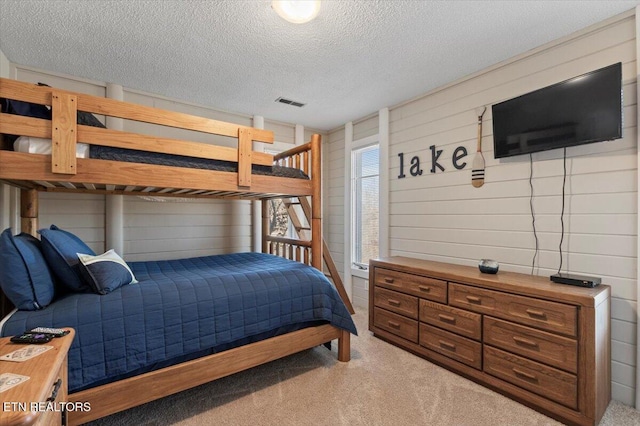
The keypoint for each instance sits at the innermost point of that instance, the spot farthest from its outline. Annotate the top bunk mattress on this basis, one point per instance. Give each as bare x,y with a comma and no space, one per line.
43,146
145,157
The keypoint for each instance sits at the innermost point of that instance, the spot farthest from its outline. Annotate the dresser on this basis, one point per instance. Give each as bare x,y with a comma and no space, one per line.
543,344
41,399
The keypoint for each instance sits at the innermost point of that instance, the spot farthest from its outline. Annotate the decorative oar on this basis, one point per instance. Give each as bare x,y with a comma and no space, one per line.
477,167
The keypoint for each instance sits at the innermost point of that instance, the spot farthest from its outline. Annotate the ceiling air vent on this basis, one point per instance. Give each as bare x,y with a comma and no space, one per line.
290,102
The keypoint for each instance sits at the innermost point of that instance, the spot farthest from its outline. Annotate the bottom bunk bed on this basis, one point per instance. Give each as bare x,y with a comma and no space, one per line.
183,323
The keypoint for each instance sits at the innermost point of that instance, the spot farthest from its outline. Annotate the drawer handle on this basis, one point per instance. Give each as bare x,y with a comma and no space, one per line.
447,345
393,324
56,388
524,374
424,288
474,299
535,313
524,341
447,318
389,280
393,302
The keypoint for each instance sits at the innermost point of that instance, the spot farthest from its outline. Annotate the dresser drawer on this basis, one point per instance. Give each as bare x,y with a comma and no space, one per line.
49,412
396,324
451,345
399,303
539,313
551,349
417,285
546,381
461,322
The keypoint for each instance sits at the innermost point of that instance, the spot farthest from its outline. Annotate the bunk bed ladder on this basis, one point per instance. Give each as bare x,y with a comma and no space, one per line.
303,233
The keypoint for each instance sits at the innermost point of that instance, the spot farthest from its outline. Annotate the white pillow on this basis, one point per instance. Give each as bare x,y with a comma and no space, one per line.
43,146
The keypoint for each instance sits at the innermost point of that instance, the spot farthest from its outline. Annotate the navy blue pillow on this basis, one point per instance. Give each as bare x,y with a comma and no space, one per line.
60,249
106,272
24,275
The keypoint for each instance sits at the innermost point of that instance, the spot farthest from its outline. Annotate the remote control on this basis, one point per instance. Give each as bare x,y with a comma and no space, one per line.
55,332
36,338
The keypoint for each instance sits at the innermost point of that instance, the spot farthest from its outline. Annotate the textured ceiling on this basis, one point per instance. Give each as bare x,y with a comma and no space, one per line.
358,56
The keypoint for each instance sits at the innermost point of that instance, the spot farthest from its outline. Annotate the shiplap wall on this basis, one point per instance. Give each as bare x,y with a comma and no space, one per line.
333,209
335,183
5,200
155,230
440,216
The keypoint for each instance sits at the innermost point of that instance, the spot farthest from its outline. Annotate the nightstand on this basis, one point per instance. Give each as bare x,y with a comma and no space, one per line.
29,402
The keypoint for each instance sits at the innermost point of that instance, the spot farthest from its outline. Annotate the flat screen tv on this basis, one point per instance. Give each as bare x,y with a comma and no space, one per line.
583,109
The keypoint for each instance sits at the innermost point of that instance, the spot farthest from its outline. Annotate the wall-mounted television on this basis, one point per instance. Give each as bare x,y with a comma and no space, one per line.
583,109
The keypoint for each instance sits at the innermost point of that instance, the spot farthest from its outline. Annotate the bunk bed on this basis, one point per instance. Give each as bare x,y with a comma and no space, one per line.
238,173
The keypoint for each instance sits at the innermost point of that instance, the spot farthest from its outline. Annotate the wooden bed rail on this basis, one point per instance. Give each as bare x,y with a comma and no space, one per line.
121,395
301,156
308,158
65,133
289,248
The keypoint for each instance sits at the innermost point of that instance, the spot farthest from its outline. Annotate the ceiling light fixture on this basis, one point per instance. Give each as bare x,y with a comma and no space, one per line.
296,11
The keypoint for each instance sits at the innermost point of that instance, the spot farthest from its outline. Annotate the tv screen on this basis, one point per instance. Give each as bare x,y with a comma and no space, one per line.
583,109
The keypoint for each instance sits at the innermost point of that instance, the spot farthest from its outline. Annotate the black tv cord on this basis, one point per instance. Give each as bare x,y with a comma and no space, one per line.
564,182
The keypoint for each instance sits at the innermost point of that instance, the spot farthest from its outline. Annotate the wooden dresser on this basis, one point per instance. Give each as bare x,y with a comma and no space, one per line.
543,344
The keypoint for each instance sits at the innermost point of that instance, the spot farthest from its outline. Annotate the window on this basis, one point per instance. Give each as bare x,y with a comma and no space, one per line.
365,217
278,219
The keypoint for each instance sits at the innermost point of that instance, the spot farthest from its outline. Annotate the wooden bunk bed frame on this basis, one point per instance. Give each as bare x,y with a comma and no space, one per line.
63,172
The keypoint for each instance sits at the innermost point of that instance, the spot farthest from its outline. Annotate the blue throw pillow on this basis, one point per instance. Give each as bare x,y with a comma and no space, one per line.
24,275
106,272
60,249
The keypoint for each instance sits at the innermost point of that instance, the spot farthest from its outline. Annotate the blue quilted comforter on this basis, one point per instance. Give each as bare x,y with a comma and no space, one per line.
186,308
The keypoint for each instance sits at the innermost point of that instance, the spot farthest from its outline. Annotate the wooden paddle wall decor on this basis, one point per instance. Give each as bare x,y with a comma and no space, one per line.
477,167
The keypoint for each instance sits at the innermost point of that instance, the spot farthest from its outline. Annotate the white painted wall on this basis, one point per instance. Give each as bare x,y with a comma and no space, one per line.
440,216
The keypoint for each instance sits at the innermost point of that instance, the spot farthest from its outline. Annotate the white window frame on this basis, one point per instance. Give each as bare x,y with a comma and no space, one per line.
358,271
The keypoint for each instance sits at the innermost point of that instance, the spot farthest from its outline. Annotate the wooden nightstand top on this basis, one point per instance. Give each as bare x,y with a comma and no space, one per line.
43,371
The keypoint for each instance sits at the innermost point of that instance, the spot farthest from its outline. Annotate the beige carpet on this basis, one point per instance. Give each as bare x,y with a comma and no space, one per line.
382,385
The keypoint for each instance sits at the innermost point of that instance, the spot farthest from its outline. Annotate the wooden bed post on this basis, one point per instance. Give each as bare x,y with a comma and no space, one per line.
29,211
344,346
64,132
317,242
316,203
265,226
245,145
